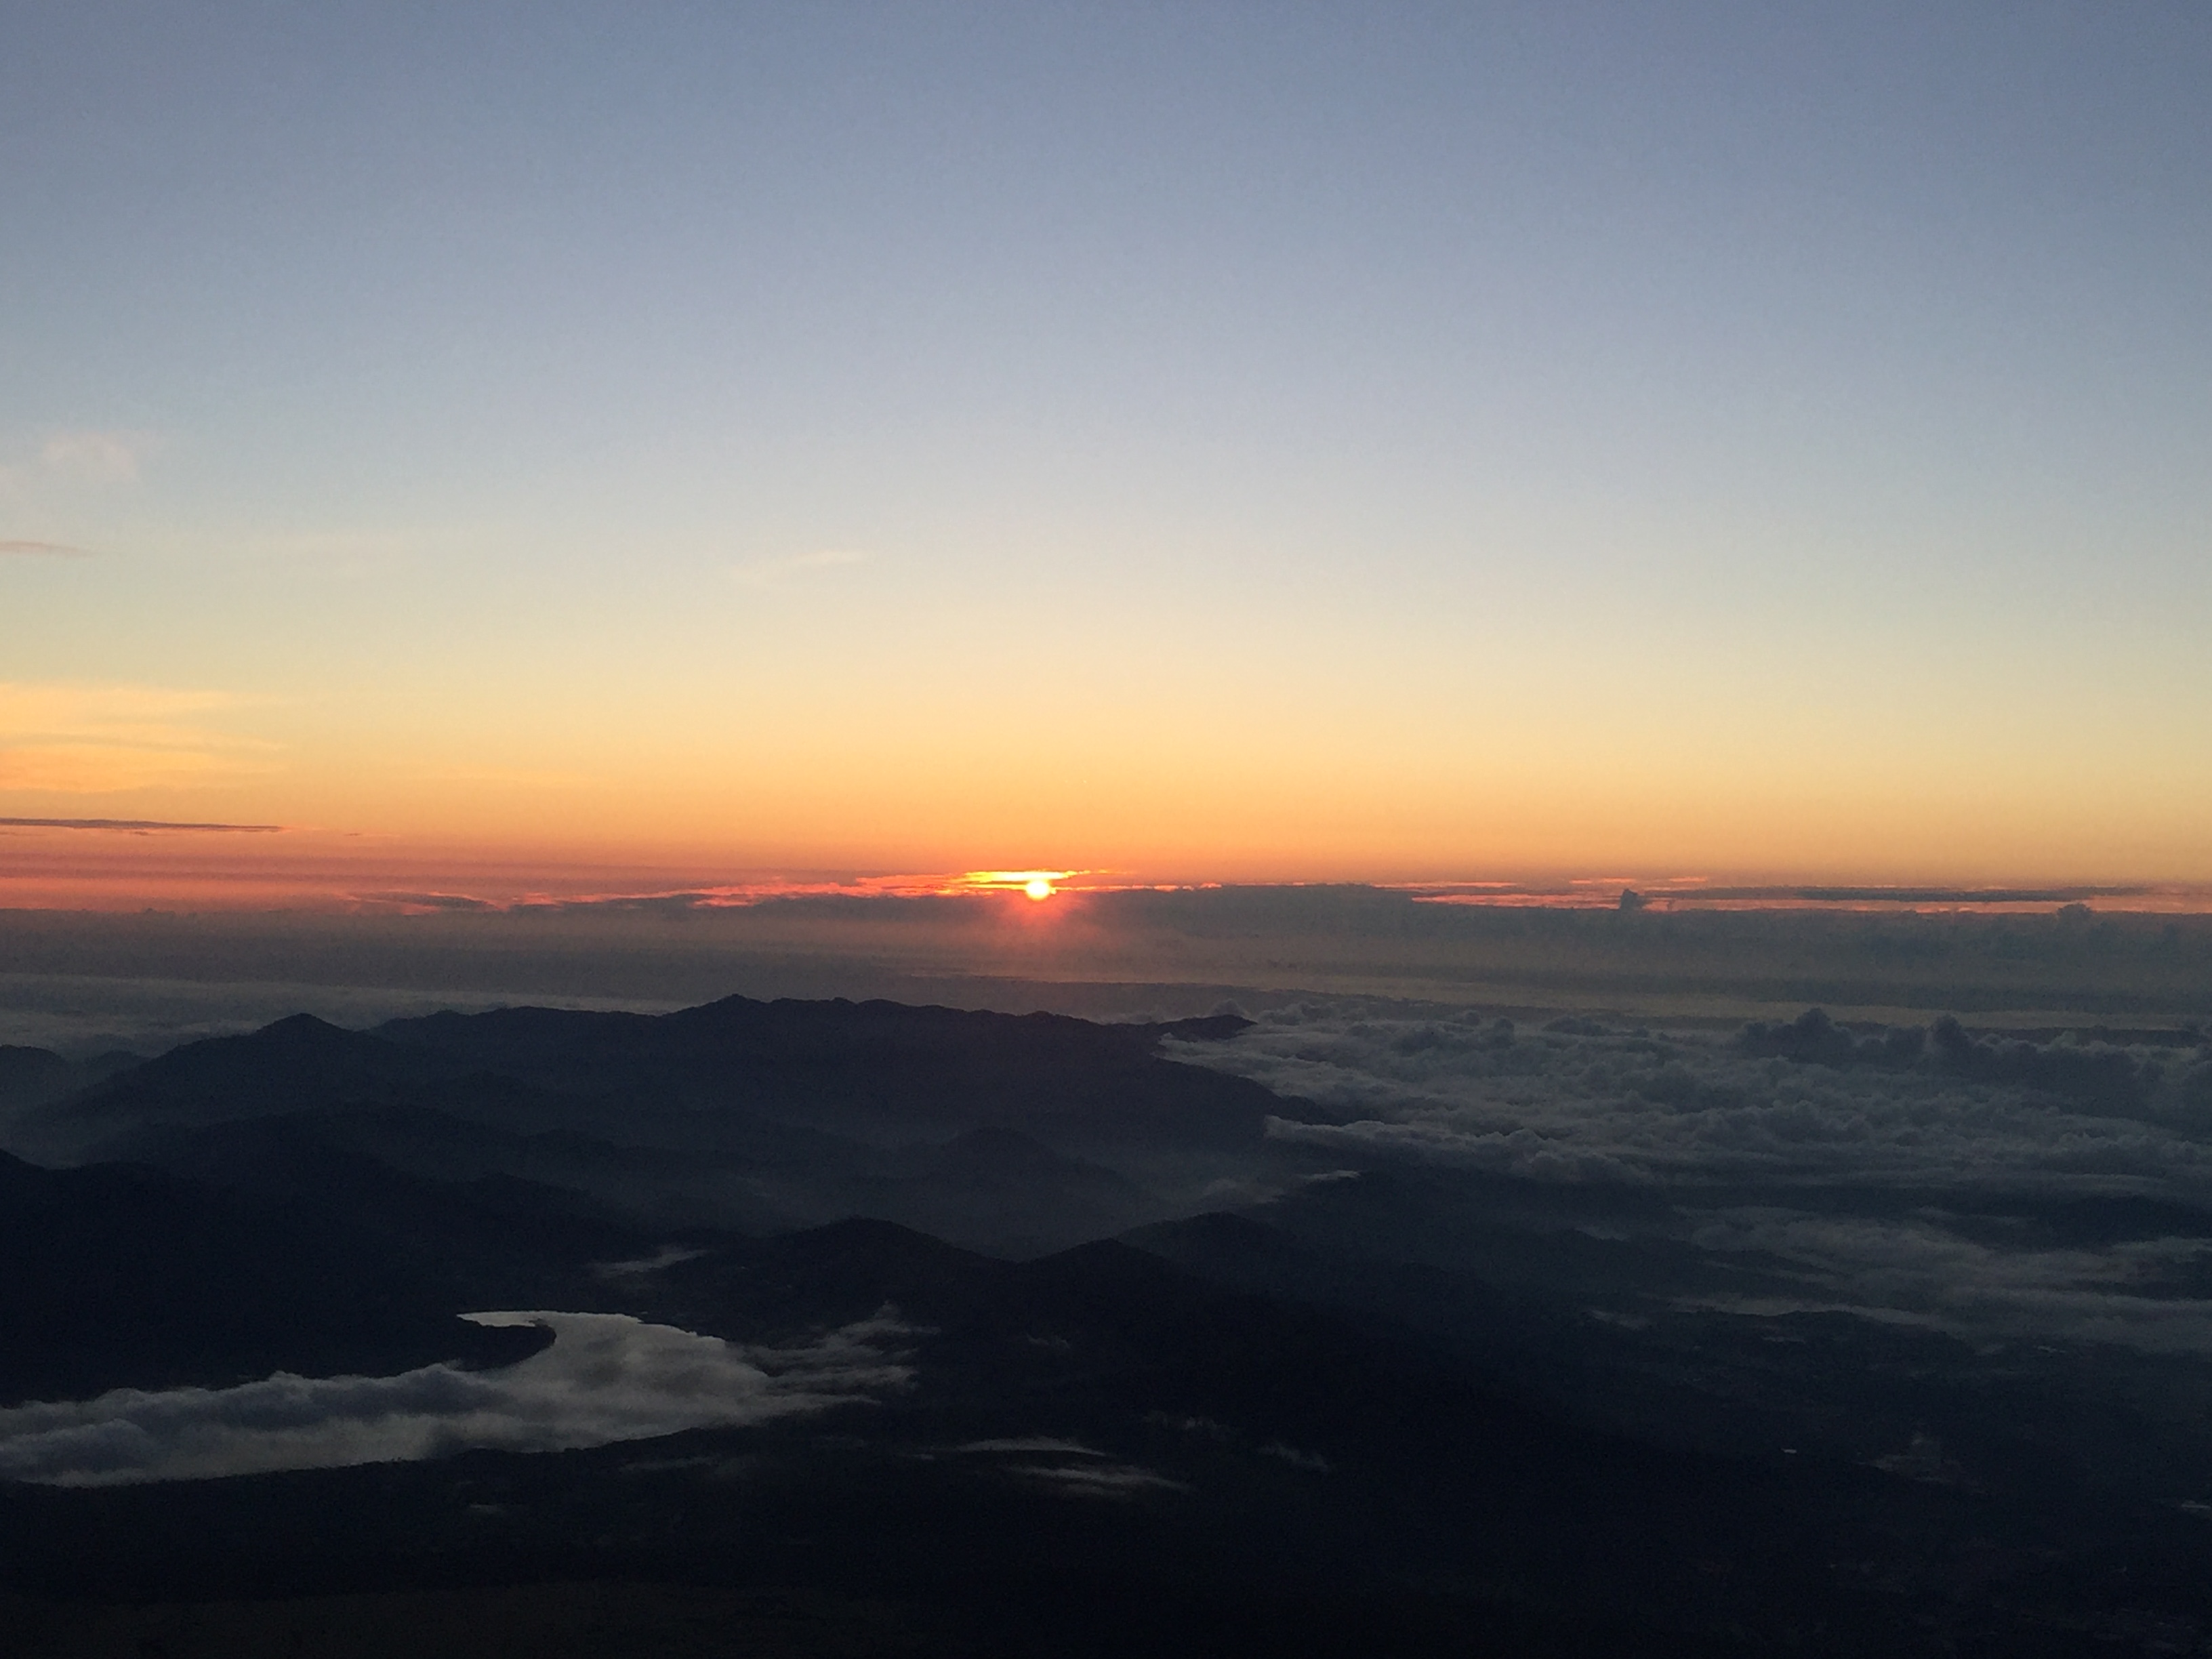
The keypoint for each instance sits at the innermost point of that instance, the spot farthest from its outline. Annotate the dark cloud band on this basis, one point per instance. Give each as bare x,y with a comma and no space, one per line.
139,825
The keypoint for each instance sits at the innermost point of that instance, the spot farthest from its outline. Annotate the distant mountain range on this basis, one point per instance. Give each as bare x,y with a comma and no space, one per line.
1016,1136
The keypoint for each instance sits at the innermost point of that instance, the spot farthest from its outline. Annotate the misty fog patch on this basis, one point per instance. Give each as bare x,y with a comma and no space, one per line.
1095,1481
606,1378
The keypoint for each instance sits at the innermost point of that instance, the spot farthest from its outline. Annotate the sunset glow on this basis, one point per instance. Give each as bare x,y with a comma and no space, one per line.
886,557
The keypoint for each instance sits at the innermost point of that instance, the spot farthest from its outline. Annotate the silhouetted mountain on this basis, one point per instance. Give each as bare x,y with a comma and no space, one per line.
297,1064
879,1071
402,1169
118,1276
36,1077
1019,1135
998,1190
32,1076
491,1236
875,1071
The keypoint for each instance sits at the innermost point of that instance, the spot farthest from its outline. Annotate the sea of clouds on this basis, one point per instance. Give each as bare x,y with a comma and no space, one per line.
1849,1161
606,1377
1577,1101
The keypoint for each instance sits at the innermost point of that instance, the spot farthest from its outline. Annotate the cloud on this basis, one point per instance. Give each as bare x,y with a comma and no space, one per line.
430,903
607,1377
93,739
778,573
1920,1268
1087,1480
1897,1181
912,888
1577,1101
108,768
1083,1471
26,550
87,456
72,709
138,826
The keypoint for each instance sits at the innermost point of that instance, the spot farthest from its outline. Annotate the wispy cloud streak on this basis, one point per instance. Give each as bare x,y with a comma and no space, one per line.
138,826
93,740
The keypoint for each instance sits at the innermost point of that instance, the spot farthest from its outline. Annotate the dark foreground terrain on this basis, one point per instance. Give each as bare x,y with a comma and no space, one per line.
1276,1400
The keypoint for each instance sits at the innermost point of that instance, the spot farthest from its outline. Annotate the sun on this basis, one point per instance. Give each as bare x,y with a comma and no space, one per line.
1037,885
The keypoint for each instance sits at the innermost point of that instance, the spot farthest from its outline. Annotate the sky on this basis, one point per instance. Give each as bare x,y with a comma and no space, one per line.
1391,443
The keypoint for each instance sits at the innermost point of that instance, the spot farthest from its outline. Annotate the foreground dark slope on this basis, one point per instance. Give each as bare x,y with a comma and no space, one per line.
1099,1454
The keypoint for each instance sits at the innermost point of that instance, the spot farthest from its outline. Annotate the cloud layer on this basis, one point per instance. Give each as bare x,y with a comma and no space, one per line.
1576,1103
606,1377
1925,1178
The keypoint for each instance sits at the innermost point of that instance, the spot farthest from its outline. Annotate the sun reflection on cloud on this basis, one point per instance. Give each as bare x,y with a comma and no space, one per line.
1037,884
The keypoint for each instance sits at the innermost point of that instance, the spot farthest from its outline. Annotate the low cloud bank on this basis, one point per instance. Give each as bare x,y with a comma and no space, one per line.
606,1377
2057,1190
1578,1101
1923,1270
